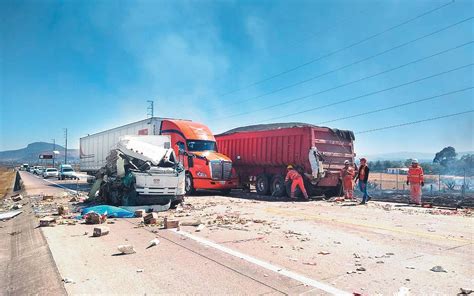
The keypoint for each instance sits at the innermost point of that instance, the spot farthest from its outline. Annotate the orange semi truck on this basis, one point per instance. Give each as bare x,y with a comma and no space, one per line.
193,142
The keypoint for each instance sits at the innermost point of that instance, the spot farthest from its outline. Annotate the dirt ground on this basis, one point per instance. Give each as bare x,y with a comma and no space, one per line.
6,179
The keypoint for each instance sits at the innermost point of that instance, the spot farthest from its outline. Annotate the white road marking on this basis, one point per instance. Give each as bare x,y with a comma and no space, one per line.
266,265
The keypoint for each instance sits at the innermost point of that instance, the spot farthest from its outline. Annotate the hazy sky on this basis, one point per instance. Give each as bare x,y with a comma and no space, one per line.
91,65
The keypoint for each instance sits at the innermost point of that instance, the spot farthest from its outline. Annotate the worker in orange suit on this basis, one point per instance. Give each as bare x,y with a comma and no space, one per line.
347,176
296,180
416,181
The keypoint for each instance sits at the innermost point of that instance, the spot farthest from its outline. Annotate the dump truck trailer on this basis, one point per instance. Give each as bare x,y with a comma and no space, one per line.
261,153
193,143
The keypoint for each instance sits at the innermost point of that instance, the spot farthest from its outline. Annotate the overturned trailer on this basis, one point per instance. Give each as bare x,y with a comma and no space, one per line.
140,170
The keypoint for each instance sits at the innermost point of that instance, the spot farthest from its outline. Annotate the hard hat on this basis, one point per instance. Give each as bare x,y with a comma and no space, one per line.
363,159
289,167
414,160
346,162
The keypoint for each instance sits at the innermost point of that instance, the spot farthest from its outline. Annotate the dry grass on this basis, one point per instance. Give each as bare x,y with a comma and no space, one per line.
6,180
389,181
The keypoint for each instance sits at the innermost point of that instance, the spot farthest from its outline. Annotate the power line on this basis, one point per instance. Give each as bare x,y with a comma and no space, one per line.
353,63
413,122
369,94
351,82
397,106
337,50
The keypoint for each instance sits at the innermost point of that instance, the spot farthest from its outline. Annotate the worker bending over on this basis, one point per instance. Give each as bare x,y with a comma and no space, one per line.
296,180
416,181
347,176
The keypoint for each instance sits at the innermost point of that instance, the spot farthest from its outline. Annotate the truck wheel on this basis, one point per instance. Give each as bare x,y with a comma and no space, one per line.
335,191
262,185
277,186
298,192
188,185
225,191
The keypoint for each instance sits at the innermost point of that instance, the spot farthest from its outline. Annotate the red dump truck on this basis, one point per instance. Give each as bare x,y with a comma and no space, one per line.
261,153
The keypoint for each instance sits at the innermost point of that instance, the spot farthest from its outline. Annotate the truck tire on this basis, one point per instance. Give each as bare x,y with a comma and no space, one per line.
277,186
335,191
262,185
189,184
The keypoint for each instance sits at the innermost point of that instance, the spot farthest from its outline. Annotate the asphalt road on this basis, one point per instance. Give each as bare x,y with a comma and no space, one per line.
310,248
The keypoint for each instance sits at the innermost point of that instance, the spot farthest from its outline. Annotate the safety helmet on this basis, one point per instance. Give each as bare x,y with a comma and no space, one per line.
414,160
289,167
346,162
363,159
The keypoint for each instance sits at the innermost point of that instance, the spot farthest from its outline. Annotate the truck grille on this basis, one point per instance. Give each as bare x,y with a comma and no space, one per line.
221,170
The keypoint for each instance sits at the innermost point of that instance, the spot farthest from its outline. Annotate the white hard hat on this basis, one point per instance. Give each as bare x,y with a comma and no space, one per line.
414,160
346,162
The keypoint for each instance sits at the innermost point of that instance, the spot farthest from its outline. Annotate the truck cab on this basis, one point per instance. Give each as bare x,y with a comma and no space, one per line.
196,148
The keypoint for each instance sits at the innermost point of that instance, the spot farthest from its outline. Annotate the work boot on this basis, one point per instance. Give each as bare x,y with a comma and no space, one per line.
362,203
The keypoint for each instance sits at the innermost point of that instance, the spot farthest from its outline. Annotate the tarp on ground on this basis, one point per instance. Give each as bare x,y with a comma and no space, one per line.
110,211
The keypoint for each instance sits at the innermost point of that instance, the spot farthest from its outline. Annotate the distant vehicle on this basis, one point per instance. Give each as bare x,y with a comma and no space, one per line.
32,169
66,172
50,172
39,170
24,167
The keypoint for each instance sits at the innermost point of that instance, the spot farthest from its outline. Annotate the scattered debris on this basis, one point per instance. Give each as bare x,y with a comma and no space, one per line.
191,223
465,291
17,197
310,263
389,254
200,227
380,262
324,253
63,210
403,291
356,255
409,267
438,268
95,218
9,215
276,247
68,281
140,213
48,197
153,243
360,268
126,249
150,218
16,206
100,231
47,221
140,270
171,223
14,233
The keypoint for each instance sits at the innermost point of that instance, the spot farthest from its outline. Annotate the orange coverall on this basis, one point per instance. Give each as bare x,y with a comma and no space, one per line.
296,180
347,175
415,178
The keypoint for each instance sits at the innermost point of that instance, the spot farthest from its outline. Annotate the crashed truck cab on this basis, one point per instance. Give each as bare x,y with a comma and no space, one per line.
142,170
196,148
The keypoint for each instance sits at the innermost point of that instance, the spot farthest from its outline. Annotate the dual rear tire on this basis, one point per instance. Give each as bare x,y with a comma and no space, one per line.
270,185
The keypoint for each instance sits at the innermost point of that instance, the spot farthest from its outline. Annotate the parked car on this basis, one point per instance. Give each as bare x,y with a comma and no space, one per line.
32,169
66,172
39,170
50,172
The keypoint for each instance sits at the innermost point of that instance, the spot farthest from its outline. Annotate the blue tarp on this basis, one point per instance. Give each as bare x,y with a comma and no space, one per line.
110,211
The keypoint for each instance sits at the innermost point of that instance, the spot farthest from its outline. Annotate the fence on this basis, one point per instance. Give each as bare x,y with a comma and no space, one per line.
434,184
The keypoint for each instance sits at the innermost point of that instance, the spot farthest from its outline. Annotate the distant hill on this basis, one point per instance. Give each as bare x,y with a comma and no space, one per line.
404,155
30,153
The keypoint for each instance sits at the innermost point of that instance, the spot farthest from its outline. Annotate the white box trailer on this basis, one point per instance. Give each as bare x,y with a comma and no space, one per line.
95,148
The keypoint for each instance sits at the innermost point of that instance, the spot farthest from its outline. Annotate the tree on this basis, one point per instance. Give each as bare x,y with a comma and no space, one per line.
446,156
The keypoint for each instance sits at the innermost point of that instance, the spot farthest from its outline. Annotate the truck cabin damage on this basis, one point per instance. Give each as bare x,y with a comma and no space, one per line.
141,170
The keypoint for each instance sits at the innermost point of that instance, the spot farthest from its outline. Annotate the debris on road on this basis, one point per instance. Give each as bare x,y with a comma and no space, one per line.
68,281
360,269
126,249
9,215
63,210
153,242
190,222
140,270
100,231
465,291
438,269
171,223
47,221
16,197
48,197
150,218
95,218
324,253
140,213
200,227
310,263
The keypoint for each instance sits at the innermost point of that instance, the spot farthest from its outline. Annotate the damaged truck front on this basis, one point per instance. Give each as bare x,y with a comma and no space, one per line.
141,170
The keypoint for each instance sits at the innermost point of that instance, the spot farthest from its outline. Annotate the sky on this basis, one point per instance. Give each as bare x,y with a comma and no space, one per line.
92,65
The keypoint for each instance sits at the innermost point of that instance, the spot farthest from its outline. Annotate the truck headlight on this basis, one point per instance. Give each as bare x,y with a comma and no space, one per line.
201,174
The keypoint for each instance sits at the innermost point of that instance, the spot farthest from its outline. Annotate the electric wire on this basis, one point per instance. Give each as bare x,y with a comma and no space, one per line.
397,106
350,82
369,94
338,50
352,63
414,122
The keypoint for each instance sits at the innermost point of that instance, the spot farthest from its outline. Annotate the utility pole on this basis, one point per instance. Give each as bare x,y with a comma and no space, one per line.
54,149
150,111
65,148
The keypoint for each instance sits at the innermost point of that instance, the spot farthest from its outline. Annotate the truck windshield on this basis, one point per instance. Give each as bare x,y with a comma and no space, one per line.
201,145
67,170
